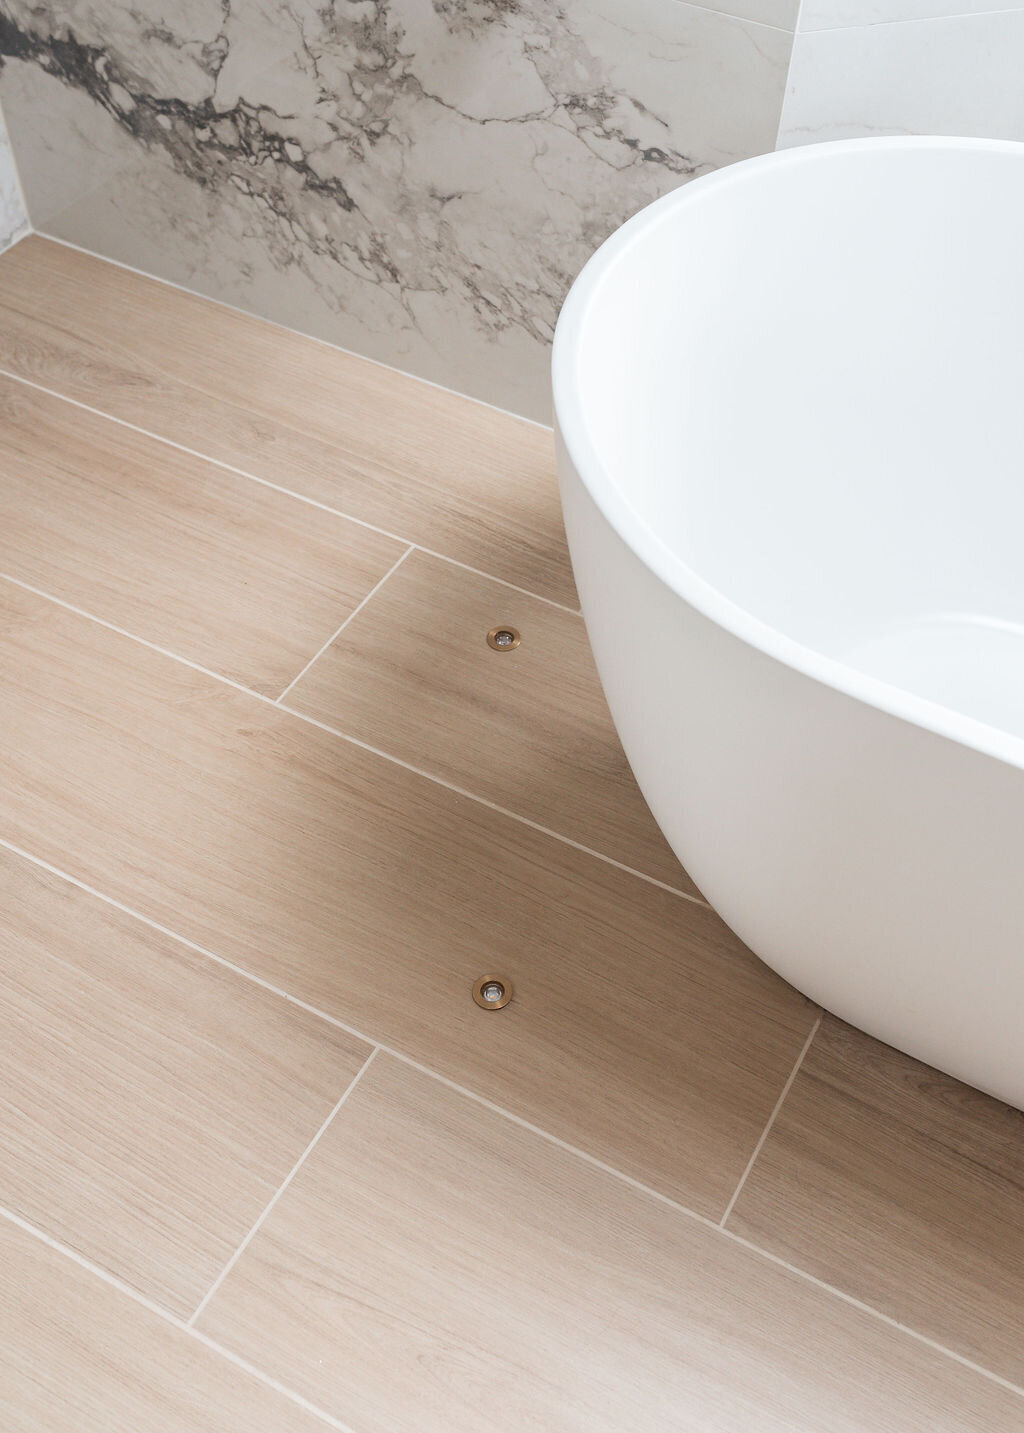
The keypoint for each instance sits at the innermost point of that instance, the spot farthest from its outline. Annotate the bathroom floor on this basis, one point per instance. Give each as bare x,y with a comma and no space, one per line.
269,806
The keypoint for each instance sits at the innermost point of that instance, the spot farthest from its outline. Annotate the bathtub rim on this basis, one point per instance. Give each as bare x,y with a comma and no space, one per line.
643,539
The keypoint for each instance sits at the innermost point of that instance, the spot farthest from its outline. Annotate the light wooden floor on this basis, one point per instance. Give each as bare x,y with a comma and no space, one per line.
269,805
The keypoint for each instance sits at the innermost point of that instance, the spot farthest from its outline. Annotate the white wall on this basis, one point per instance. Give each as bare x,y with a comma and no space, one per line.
13,219
866,67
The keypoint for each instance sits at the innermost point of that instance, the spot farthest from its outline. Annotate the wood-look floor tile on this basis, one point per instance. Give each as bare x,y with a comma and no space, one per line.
641,1029
77,1356
222,570
528,729
902,1187
438,469
151,1101
435,1269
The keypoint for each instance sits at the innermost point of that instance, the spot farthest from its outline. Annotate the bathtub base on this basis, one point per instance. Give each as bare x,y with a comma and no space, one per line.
875,865
790,435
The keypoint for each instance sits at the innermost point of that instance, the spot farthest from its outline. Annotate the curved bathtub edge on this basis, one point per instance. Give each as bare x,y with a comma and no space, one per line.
644,541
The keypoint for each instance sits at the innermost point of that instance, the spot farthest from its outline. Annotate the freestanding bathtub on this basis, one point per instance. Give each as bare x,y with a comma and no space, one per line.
790,403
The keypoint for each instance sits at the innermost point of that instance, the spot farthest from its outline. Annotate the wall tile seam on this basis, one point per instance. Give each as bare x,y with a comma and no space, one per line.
789,72
917,20
740,19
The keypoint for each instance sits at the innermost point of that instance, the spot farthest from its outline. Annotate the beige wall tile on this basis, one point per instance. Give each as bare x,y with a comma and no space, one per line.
528,729
445,472
77,1356
435,1269
902,1187
641,1030
152,1101
219,569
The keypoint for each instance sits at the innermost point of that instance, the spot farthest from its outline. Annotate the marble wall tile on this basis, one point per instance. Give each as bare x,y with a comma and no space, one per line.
13,219
830,14
416,180
765,12
960,75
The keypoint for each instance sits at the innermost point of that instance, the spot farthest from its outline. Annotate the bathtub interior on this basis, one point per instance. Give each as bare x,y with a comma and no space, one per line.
802,381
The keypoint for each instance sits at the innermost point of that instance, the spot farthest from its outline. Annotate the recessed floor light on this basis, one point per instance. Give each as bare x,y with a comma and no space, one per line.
503,639
492,992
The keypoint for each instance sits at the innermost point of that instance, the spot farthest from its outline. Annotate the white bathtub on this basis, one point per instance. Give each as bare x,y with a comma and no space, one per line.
790,401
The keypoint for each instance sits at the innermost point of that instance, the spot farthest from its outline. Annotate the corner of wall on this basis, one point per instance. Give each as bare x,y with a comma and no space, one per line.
789,72
14,216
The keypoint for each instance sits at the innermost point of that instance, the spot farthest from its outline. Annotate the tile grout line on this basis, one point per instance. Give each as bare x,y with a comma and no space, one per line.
281,1188
220,960
771,1120
489,577
274,323
738,20
255,1372
499,810
379,1047
912,20
681,1209
258,1373
188,1328
711,1225
278,488
104,1275
133,637
112,1281
339,1024
353,740
869,1309
354,613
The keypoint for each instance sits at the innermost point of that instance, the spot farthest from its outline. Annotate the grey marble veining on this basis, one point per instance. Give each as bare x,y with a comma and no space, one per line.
417,180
